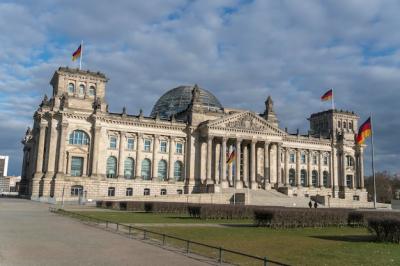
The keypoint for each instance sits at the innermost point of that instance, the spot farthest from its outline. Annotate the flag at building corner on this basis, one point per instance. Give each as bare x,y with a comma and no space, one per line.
77,53
327,96
231,157
364,132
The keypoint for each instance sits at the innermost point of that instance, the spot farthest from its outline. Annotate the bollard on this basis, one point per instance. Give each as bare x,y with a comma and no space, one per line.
106,224
220,255
163,239
117,226
130,228
144,234
265,261
187,246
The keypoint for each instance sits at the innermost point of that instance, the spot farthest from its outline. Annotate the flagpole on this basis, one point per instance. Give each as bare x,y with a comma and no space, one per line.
372,163
80,58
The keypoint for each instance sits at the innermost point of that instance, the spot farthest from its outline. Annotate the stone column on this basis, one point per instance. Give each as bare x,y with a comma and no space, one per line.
238,182
287,167
266,164
51,157
230,168
224,182
95,150
361,168
39,160
171,158
209,160
139,145
217,154
154,172
320,173
298,175
121,156
61,150
343,168
309,174
254,184
278,164
245,166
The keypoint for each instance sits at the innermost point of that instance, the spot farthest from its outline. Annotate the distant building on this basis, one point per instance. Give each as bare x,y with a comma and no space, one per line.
77,147
3,165
9,184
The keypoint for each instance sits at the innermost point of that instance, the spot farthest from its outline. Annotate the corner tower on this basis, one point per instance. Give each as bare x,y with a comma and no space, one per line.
78,89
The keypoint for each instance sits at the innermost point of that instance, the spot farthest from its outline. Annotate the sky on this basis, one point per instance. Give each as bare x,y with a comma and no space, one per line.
242,51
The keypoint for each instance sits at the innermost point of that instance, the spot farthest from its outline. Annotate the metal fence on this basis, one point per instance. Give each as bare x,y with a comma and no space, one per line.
219,254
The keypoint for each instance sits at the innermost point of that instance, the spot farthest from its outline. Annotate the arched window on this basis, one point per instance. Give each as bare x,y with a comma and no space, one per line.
92,91
111,167
71,88
314,178
325,178
303,177
81,89
292,177
76,191
303,158
146,167
78,137
128,168
178,167
162,170
350,161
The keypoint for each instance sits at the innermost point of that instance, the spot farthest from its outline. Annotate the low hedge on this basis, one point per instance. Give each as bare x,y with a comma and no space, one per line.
277,217
385,229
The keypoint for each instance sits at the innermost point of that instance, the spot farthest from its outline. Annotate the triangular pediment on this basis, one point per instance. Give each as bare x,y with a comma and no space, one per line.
77,150
248,121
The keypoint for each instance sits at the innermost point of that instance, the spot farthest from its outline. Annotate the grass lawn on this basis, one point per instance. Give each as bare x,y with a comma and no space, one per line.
141,217
306,246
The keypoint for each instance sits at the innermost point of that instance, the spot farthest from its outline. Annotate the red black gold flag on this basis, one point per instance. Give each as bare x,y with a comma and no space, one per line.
77,53
364,132
327,96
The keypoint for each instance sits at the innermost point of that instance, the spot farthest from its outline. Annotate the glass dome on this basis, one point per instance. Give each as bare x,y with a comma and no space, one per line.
178,99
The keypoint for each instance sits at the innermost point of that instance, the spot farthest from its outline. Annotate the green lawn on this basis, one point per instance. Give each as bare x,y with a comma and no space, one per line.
306,246
140,217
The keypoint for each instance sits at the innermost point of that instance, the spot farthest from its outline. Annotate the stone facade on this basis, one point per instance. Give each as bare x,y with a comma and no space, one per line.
78,148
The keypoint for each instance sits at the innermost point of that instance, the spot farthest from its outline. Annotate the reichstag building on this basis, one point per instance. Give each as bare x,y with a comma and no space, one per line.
189,144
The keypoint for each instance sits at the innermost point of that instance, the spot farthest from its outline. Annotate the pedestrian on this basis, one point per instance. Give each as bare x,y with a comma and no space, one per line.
310,204
315,204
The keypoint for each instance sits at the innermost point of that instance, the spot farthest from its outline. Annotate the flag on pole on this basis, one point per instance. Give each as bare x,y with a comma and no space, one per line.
77,53
231,157
364,132
327,96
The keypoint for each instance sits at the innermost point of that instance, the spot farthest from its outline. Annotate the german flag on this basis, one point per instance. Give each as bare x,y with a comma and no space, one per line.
327,96
364,132
231,157
77,53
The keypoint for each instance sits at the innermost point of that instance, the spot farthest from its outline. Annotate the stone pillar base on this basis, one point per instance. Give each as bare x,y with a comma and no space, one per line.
224,184
210,182
254,185
238,184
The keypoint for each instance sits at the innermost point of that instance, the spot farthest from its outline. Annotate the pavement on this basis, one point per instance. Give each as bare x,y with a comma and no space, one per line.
31,235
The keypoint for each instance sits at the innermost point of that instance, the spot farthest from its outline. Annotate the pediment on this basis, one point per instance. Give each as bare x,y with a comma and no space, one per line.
248,121
77,150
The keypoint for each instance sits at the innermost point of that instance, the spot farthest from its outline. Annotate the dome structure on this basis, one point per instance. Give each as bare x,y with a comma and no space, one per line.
178,100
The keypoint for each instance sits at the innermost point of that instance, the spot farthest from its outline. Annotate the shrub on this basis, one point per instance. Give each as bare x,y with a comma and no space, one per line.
148,207
355,219
194,211
386,229
263,218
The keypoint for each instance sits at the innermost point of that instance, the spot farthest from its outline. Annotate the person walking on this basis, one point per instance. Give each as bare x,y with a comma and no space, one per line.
315,204
310,204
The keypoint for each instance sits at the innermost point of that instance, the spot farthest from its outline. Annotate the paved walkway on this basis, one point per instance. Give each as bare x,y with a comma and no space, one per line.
31,235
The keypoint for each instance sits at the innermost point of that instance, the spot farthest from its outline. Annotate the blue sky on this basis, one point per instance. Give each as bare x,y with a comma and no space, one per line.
242,51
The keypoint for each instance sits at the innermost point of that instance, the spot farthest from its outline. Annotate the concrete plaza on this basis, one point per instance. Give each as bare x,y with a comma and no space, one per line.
31,235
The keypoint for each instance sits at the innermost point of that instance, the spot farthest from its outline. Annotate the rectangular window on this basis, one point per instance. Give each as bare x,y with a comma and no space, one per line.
179,148
303,158
129,192
326,160
292,158
130,144
349,181
314,158
76,166
163,146
113,142
147,145
111,191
